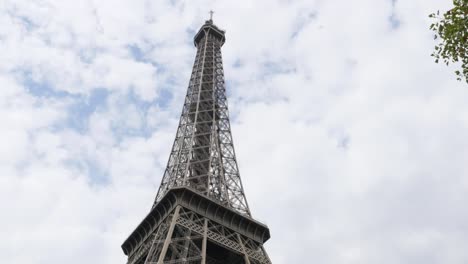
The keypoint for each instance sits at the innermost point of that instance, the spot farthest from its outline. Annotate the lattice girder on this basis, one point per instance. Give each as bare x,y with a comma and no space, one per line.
203,155
200,213
187,237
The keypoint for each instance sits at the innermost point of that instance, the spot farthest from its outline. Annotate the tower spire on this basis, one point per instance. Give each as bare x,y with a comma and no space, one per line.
200,213
211,15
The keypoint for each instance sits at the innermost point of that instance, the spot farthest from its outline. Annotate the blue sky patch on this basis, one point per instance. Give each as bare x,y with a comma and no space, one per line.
83,108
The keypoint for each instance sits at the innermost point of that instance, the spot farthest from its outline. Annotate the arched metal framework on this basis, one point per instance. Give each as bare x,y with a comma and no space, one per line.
200,214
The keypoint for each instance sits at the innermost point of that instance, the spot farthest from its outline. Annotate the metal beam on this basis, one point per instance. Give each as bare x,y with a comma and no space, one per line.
169,235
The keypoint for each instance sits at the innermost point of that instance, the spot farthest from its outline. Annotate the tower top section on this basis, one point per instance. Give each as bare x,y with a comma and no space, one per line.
209,28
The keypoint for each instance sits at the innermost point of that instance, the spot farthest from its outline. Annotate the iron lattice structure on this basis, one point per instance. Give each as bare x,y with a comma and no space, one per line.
200,214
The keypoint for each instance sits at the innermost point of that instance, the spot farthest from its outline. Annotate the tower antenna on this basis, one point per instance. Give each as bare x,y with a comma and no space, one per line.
211,15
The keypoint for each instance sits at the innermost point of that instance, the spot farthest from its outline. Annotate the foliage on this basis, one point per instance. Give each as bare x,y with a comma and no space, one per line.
452,30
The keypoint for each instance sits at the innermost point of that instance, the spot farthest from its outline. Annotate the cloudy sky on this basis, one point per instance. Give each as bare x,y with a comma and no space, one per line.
351,142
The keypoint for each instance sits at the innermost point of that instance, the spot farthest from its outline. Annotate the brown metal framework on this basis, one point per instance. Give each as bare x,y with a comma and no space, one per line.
200,214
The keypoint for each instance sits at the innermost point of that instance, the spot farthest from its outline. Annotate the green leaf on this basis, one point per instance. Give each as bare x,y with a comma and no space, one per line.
451,32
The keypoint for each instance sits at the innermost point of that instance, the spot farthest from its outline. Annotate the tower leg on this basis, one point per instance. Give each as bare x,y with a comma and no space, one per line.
185,236
246,256
169,235
205,238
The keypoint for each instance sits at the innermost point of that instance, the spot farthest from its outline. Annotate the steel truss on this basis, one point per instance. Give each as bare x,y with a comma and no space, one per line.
203,156
187,237
200,213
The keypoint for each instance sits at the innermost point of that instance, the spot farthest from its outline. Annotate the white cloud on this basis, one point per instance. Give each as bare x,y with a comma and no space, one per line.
350,140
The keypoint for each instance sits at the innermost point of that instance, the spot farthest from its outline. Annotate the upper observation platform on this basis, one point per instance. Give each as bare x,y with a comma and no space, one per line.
209,28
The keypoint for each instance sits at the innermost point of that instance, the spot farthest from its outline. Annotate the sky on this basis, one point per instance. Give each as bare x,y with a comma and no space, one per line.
351,141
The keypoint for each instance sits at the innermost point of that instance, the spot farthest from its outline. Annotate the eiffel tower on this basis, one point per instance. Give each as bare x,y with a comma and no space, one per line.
200,214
